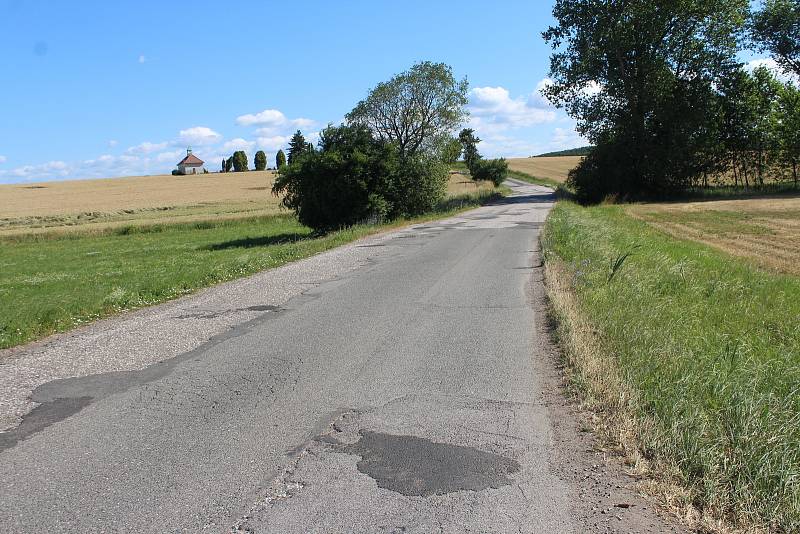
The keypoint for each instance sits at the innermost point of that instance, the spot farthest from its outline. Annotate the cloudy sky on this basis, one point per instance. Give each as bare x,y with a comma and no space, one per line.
95,89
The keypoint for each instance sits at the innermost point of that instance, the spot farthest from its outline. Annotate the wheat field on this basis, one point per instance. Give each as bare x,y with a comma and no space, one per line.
90,205
555,168
763,230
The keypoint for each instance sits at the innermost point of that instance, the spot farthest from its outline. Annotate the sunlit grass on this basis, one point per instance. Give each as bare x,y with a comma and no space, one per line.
708,351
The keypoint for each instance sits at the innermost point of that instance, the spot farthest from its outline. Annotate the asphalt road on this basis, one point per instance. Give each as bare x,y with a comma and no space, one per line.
398,396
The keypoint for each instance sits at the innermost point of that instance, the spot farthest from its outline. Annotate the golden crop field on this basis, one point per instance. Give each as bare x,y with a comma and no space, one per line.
764,230
460,184
94,204
113,202
554,168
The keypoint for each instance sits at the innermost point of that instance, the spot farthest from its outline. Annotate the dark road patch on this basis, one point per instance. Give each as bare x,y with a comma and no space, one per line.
420,467
42,416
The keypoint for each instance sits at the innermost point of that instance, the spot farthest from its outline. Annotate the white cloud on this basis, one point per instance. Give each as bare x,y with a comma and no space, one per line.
773,66
171,156
268,117
273,122
273,143
112,143
493,106
142,59
146,148
50,169
238,144
199,135
3,159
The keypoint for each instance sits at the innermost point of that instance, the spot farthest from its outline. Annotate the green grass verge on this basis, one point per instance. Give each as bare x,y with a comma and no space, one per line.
547,182
54,282
710,348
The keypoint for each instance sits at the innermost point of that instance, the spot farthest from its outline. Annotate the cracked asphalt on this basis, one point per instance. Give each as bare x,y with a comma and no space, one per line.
392,385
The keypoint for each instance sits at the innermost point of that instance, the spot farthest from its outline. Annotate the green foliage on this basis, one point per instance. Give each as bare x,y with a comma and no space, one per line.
451,150
414,109
239,161
581,151
229,164
703,343
776,29
280,159
223,166
260,160
415,185
640,79
493,170
469,143
354,177
336,186
787,127
297,146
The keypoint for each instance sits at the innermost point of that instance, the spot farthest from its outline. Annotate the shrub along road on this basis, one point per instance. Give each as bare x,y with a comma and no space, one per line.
398,384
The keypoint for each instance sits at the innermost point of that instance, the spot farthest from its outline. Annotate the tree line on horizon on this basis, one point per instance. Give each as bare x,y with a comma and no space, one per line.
238,161
659,91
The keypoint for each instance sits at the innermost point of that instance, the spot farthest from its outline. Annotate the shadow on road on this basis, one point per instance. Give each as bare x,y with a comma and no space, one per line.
539,198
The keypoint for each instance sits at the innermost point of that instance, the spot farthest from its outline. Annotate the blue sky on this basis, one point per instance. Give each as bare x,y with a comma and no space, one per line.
94,89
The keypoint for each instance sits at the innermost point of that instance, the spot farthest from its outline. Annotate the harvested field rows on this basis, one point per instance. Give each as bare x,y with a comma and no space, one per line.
555,168
766,231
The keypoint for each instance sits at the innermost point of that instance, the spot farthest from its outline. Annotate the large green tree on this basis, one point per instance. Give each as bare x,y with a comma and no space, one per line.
414,109
239,161
775,28
297,146
260,160
638,77
469,146
788,127
280,159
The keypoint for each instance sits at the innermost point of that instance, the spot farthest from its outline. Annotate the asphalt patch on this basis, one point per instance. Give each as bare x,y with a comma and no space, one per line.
41,417
420,467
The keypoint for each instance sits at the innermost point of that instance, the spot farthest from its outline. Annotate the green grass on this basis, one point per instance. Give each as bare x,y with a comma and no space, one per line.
547,182
54,282
709,345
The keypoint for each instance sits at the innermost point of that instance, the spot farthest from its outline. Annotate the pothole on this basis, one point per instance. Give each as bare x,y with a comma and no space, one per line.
420,467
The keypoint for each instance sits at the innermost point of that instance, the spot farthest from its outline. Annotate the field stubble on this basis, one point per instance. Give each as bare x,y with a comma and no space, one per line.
763,230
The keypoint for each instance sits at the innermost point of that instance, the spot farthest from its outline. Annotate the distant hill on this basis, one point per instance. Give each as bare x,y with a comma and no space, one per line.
582,151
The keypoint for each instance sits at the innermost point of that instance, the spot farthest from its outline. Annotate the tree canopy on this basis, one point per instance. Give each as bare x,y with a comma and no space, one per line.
297,146
260,160
639,78
414,109
776,29
280,159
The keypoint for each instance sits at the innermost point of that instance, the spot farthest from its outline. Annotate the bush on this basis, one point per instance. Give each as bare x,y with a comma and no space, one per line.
355,178
493,170
337,186
176,172
416,185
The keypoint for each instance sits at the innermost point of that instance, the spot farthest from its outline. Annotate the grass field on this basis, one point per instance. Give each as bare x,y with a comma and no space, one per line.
763,230
554,169
65,275
689,357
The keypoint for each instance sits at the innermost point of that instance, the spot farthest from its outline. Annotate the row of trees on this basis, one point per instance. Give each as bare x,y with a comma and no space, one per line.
657,87
389,159
238,161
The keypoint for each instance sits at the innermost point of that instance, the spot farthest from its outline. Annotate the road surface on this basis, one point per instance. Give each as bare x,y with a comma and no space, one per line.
398,395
